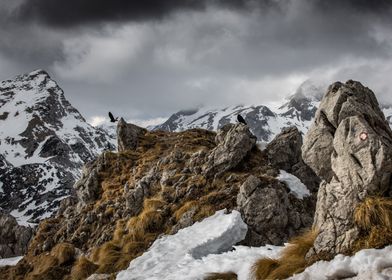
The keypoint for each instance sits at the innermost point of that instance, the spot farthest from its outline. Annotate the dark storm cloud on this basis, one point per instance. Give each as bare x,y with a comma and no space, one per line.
149,58
75,12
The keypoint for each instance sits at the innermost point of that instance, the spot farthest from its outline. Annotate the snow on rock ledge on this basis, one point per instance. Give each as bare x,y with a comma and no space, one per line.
366,264
174,256
297,188
10,261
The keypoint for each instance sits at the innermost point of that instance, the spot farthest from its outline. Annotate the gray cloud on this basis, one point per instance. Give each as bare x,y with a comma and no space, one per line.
145,63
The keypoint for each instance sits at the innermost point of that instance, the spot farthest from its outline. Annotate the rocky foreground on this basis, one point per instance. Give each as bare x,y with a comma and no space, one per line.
161,182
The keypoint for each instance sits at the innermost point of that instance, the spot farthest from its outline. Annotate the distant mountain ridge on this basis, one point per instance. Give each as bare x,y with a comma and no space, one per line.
44,142
264,121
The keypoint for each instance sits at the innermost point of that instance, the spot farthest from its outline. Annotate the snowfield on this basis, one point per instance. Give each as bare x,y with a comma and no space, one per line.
364,265
193,252
208,247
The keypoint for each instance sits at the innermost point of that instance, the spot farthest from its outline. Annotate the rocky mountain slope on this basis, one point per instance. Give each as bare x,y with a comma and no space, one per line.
135,212
44,142
265,121
159,183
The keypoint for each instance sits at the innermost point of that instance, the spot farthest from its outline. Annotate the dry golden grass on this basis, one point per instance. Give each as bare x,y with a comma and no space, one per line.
263,267
43,264
63,252
373,216
374,211
204,211
185,208
130,238
292,259
221,276
82,269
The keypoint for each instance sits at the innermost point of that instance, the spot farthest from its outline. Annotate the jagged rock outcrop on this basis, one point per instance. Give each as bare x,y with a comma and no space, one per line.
13,237
284,152
128,135
234,141
273,215
88,188
350,147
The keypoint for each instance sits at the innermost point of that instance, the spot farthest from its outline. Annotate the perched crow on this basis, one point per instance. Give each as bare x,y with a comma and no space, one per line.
112,119
241,119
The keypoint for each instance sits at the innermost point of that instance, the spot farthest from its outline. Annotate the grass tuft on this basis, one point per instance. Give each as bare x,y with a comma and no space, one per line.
374,211
83,268
373,217
292,259
63,252
263,267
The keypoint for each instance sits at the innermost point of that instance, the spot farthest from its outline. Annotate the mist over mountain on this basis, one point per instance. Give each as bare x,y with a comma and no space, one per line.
265,121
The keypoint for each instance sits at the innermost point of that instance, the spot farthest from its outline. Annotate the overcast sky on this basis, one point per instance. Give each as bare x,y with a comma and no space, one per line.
148,59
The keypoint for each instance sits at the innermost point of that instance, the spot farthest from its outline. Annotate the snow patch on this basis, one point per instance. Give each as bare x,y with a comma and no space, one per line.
366,264
10,261
190,253
295,185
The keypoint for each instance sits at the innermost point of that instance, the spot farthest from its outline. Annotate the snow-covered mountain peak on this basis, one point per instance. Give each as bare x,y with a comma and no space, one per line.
42,133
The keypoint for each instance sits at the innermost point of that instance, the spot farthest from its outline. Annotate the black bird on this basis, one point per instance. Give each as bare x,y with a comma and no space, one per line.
241,119
112,119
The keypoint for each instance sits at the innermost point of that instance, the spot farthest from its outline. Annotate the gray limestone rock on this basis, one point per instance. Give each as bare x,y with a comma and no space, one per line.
350,147
284,152
14,238
271,213
128,135
88,188
234,141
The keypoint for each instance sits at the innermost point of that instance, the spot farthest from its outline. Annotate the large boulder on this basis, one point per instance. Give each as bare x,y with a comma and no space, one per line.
350,147
284,152
128,135
234,142
271,213
14,238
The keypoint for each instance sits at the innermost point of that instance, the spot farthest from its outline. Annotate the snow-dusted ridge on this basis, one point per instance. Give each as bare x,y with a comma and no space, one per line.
265,121
44,142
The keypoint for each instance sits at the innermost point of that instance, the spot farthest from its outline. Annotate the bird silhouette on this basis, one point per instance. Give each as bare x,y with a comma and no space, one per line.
112,119
241,119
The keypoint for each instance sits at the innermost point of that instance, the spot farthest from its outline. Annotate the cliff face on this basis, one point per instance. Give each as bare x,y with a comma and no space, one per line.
158,183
